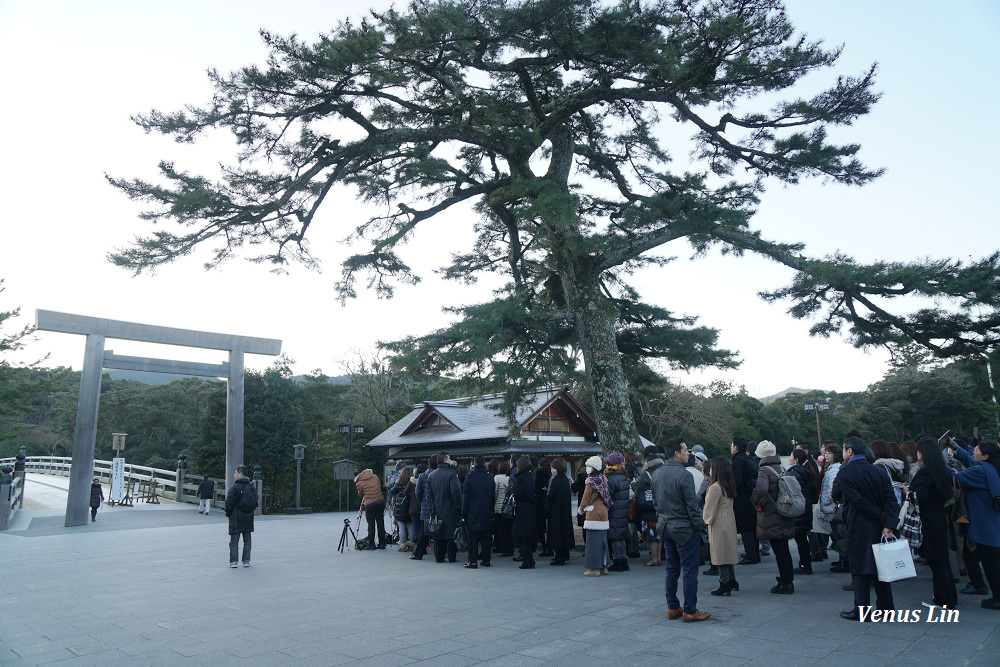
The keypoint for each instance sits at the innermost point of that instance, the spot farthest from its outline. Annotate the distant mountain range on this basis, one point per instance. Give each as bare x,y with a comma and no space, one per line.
144,377
791,390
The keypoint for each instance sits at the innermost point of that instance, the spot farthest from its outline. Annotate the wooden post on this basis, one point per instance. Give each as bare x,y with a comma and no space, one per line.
85,434
234,415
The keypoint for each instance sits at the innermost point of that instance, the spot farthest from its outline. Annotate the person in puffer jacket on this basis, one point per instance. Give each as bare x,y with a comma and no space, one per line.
370,490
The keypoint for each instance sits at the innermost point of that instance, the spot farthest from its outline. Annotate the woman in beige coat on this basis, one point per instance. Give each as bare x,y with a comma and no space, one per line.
721,520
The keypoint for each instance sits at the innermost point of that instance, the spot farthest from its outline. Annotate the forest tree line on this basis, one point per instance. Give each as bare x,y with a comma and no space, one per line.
187,416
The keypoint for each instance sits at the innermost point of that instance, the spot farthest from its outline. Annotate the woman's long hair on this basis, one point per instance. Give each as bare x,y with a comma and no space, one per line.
930,458
404,476
523,465
722,472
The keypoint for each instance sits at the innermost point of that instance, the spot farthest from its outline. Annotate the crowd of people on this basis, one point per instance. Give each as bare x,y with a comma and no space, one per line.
690,510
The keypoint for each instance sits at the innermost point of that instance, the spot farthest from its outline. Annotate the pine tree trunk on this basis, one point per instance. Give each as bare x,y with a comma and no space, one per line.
594,319
595,325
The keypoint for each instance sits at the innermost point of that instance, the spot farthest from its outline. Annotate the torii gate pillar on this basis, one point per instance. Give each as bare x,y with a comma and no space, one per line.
95,359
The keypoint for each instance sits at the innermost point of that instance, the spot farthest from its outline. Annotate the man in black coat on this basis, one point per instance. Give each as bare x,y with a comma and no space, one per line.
241,501
745,476
870,512
445,502
477,510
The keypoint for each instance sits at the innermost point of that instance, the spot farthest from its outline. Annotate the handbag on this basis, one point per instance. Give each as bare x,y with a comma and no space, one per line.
462,537
893,560
434,527
509,506
959,510
821,524
911,527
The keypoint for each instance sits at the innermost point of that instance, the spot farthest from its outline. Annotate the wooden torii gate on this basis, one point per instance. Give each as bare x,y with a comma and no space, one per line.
96,358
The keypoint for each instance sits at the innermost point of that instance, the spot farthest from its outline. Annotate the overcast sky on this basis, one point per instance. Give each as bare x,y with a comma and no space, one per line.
75,71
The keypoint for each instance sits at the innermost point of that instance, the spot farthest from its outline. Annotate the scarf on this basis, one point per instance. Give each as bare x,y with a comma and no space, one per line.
599,483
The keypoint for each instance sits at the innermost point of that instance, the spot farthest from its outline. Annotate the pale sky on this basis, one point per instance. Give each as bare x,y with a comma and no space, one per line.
74,72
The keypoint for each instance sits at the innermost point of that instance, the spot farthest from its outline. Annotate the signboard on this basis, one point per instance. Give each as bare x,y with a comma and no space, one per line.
117,479
118,441
344,470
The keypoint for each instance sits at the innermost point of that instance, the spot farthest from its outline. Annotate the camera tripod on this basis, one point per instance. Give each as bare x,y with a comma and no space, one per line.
343,536
348,529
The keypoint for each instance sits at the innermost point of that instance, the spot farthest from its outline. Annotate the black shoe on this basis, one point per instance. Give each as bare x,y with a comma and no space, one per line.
518,559
547,554
969,589
557,562
617,566
416,557
747,561
484,564
990,603
736,585
725,588
470,566
850,615
783,589
526,566
381,546
712,571
839,567
802,569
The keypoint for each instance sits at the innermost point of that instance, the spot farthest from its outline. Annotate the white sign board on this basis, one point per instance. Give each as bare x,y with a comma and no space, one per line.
117,480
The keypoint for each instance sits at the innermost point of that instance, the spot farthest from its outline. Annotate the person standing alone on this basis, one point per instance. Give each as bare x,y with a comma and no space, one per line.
206,490
241,501
96,498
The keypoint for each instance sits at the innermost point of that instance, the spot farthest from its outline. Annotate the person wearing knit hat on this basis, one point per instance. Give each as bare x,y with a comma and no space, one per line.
772,526
765,448
619,486
594,506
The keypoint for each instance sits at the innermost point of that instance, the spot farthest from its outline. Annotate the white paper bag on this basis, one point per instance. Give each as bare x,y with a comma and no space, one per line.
893,560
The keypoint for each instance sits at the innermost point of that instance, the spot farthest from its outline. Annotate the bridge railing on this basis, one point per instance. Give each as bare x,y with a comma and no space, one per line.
10,496
165,481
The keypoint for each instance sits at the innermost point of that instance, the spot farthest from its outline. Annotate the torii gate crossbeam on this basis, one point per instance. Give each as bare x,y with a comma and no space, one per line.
97,330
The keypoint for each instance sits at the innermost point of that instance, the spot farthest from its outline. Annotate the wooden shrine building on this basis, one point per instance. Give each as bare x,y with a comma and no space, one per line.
551,421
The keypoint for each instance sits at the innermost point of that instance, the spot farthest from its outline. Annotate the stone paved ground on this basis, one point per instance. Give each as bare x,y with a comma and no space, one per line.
150,586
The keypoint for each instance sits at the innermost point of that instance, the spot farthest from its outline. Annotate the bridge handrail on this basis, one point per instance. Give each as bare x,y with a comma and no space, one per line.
9,501
164,479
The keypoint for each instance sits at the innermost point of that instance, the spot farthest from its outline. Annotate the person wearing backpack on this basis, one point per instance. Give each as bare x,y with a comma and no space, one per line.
241,501
771,524
401,496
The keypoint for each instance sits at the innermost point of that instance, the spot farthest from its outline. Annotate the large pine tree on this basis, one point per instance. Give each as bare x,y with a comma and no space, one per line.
550,118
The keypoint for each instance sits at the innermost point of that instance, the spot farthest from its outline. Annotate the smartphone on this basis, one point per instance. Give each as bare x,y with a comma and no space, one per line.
943,436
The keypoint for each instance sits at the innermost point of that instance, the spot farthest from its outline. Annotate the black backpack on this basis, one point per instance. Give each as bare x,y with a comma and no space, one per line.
248,499
401,506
